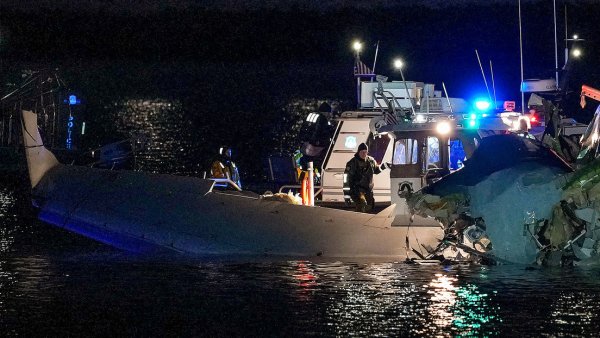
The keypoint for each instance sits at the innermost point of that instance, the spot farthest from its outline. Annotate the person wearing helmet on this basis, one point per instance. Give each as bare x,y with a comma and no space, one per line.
224,167
358,178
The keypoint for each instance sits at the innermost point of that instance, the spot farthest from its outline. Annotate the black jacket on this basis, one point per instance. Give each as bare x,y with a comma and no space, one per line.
360,174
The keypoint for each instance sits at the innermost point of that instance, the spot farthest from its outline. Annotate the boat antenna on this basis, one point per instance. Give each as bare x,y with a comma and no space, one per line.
521,57
566,35
555,44
375,60
447,98
493,85
483,74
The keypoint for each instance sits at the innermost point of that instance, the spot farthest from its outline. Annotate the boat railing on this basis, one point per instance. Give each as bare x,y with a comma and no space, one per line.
224,183
392,103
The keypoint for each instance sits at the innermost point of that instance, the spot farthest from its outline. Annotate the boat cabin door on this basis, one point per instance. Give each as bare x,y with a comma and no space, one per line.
419,158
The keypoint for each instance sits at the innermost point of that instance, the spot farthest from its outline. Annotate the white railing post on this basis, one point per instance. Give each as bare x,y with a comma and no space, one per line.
311,190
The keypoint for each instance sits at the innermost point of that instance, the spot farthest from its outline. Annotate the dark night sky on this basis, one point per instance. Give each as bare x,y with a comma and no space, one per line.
437,39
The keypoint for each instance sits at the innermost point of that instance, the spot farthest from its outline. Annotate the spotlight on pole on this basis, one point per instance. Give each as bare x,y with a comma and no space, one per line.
357,46
398,64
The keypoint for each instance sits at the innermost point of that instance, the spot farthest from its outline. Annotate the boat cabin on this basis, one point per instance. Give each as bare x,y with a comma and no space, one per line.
434,142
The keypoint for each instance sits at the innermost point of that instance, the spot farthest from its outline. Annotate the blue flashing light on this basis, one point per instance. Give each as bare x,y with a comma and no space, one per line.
73,100
473,116
473,124
482,104
485,115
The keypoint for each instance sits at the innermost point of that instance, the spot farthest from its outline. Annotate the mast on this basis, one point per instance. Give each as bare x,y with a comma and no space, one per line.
555,45
566,39
483,74
375,60
521,57
447,98
493,85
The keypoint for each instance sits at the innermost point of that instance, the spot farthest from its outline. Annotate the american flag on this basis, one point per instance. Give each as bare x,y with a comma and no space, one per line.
390,117
360,69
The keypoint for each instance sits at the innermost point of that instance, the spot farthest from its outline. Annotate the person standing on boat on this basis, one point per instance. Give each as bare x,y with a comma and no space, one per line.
358,178
224,167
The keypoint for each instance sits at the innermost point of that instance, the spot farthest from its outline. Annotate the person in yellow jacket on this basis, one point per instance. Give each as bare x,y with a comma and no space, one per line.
224,167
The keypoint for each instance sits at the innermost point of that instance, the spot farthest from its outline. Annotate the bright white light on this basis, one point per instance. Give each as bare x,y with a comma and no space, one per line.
576,52
443,128
482,104
420,118
575,36
357,46
398,64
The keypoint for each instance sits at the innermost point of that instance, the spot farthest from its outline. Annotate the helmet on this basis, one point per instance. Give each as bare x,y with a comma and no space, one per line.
225,151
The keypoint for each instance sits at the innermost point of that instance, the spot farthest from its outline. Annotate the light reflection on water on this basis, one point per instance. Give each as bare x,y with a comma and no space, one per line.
167,133
381,299
7,218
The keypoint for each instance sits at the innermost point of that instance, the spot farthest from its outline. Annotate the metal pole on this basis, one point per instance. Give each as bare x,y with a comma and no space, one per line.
311,180
358,92
521,56
483,74
447,98
566,42
375,61
412,108
555,45
493,85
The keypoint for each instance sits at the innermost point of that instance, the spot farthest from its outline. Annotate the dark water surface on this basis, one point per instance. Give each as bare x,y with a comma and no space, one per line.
54,283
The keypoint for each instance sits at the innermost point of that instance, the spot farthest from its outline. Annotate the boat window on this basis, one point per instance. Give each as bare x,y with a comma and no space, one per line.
433,152
405,151
378,146
457,154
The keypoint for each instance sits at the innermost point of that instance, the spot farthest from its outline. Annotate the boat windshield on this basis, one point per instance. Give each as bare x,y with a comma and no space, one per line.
457,154
433,152
378,145
405,151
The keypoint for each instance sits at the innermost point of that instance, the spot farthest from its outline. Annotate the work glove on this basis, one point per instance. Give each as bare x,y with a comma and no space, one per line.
386,165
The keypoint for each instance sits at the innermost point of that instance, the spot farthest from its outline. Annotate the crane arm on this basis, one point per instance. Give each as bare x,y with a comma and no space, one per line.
589,92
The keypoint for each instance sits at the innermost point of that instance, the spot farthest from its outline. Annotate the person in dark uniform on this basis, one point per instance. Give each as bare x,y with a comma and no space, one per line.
358,178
